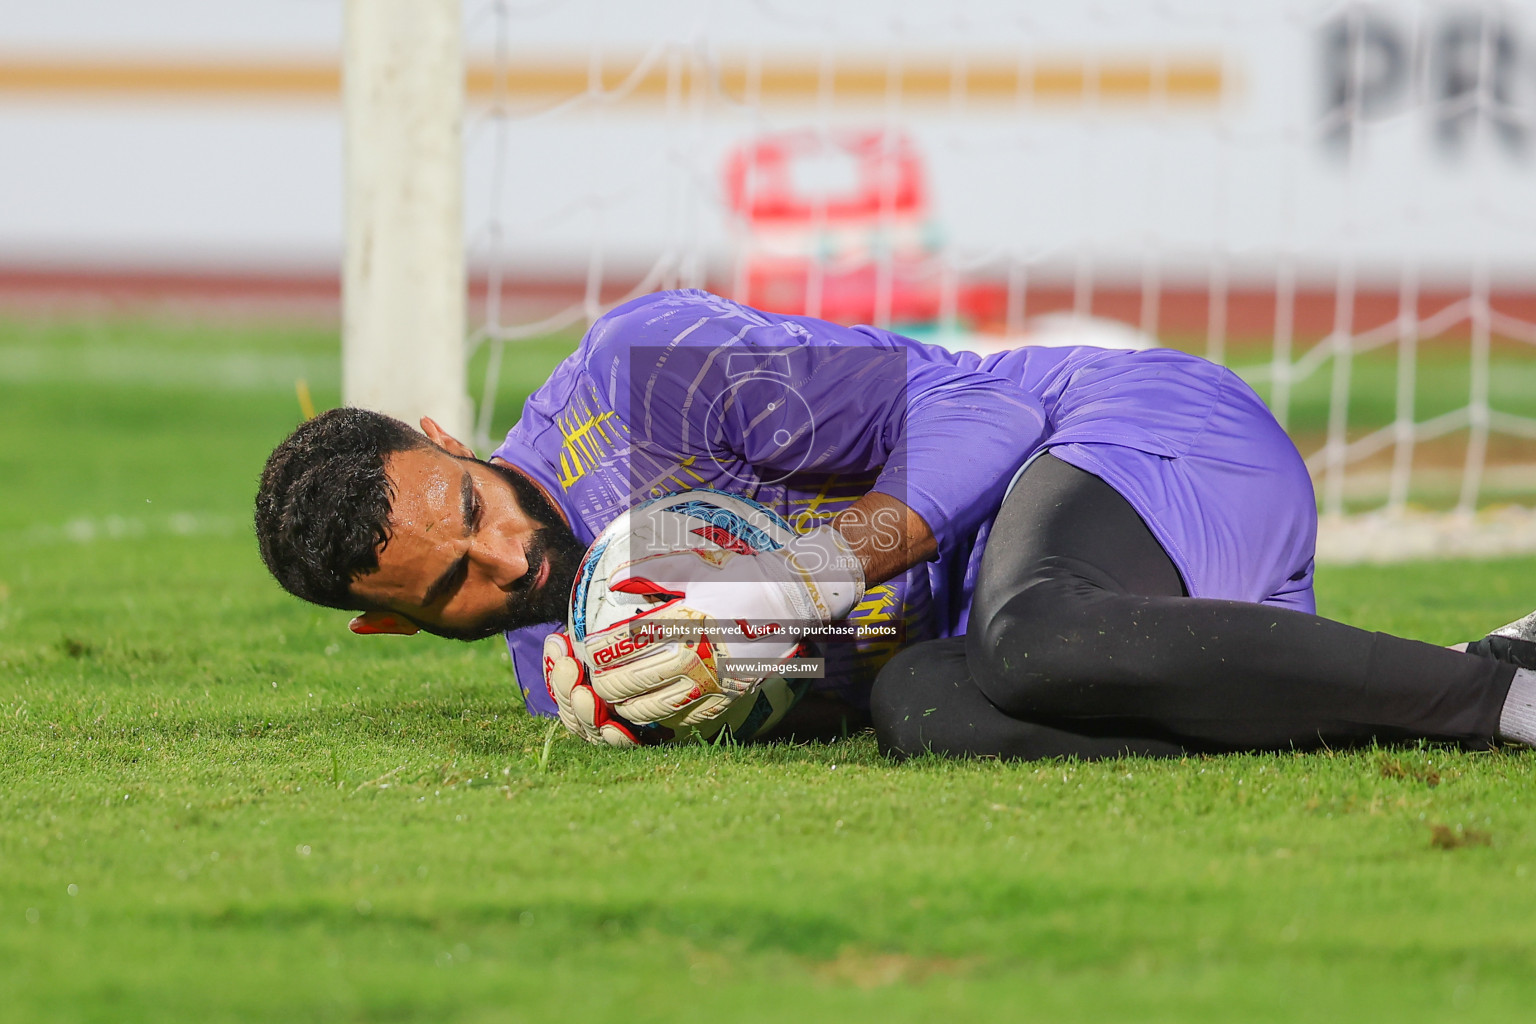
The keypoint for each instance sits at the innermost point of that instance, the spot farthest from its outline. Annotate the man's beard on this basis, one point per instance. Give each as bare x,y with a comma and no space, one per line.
553,542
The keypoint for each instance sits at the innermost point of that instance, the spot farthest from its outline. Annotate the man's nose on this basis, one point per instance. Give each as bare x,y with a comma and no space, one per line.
503,560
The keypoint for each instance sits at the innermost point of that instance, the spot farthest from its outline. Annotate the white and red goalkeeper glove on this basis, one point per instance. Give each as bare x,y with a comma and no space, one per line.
775,597
657,667
665,680
583,712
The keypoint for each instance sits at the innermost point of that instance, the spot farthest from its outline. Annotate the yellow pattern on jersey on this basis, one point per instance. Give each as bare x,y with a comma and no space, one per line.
589,437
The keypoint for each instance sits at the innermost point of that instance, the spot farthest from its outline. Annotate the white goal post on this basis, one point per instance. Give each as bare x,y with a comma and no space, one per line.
403,282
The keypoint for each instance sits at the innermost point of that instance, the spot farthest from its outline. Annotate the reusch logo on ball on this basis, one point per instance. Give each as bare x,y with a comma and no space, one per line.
621,647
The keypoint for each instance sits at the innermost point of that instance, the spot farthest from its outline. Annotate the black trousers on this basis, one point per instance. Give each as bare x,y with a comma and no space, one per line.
1082,642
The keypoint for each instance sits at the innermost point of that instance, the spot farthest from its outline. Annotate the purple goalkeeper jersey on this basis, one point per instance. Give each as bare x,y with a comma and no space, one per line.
686,389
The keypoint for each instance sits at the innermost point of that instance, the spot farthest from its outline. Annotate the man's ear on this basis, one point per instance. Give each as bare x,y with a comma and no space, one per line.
371,623
444,440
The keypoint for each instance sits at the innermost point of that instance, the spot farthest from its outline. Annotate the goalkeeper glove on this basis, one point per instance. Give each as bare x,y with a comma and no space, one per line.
583,712
774,596
657,667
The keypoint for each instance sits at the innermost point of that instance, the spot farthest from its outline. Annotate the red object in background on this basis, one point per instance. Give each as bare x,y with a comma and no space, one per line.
856,246
888,179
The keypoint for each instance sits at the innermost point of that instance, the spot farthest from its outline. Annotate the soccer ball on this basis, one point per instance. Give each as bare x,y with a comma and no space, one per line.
702,519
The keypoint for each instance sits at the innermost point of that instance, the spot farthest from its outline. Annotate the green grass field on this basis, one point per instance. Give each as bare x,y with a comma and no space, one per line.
216,804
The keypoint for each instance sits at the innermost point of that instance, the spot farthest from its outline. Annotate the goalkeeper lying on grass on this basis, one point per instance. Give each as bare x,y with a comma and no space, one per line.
1088,551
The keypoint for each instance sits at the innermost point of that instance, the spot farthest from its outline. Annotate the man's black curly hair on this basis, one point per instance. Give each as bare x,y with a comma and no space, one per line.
323,506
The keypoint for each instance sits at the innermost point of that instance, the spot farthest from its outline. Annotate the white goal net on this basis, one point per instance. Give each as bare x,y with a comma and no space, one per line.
1336,199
